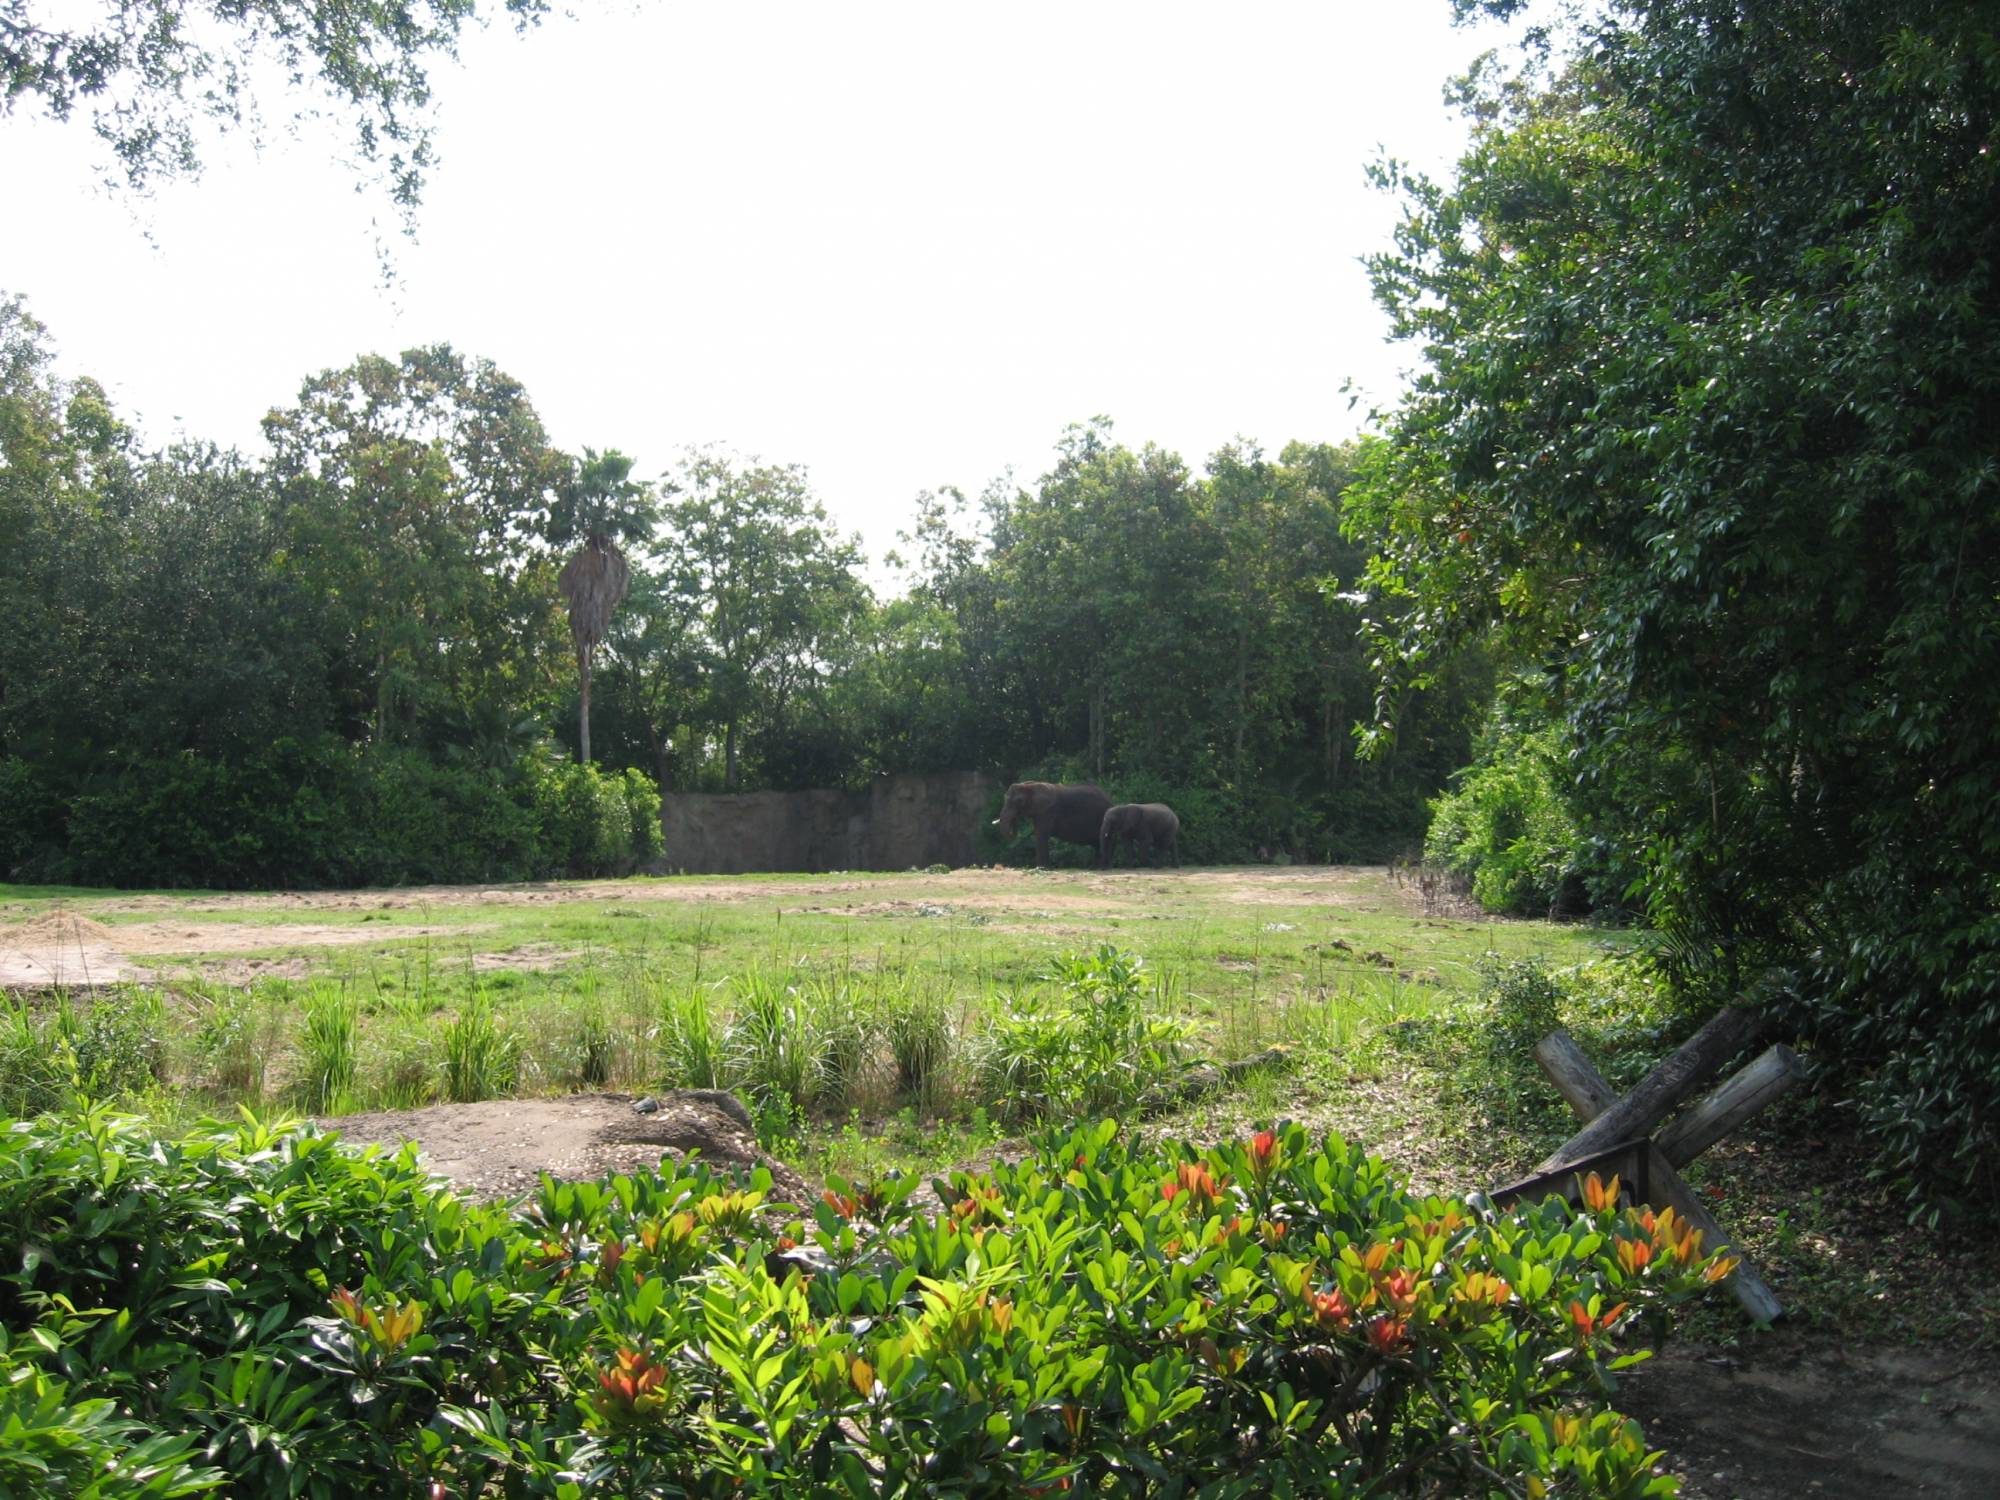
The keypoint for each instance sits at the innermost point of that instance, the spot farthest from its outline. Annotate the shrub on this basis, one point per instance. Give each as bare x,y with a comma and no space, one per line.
321,812
1271,1317
1506,827
111,1049
1094,1046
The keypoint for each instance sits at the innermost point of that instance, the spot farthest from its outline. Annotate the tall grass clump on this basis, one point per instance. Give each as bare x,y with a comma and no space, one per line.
920,1031
328,1047
691,1043
774,1046
233,1042
843,1020
480,1059
1090,1045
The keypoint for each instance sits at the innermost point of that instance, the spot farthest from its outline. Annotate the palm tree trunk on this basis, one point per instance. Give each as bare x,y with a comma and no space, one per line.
583,708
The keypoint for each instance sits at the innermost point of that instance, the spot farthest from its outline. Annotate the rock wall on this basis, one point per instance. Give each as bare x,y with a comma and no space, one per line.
898,822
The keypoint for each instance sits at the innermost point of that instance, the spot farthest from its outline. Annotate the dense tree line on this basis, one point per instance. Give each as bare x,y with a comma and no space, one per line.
1710,436
230,670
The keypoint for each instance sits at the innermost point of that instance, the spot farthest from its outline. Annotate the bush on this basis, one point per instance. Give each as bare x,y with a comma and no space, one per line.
1273,1317
1506,828
586,818
111,1050
324,813
1094,1046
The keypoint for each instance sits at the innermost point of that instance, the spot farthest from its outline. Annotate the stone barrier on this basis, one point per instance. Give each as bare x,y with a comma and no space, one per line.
898,822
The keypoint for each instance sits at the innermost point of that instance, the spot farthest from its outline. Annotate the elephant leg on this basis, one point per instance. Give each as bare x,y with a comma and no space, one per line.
1041,846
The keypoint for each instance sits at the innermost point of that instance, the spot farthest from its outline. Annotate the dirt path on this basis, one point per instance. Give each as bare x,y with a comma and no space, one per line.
1799,1414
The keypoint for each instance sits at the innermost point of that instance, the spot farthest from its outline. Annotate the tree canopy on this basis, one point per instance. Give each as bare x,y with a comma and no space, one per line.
1709,428
151,76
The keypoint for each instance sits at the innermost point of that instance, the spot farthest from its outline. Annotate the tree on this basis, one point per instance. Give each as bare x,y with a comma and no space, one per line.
418,493
150,74
1711,429
778,585
600,505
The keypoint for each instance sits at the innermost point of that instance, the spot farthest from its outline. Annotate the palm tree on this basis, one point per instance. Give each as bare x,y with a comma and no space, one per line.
602,505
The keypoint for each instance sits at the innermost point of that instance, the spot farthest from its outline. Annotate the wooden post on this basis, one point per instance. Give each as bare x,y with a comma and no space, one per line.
1751,1088
1750,1289
1578,1081
1672,1081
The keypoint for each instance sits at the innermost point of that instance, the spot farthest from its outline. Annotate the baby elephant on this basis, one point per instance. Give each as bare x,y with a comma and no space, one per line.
1147,828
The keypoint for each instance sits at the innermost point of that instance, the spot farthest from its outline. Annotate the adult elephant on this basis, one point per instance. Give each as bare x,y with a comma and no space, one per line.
1146,828
1073,813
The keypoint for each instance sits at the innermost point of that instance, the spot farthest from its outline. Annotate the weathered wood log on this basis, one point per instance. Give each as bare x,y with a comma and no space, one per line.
1751,1291
1748,1090
1672,1081
1576,1078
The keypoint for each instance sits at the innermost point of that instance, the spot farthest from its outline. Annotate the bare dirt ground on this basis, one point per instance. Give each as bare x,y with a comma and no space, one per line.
1801,1414
64,950
499,1149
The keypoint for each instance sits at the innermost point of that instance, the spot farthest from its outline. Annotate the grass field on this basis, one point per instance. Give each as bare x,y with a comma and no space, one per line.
919,1020
862,1012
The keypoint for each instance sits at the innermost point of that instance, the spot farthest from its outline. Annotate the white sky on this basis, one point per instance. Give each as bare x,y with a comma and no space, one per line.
902,244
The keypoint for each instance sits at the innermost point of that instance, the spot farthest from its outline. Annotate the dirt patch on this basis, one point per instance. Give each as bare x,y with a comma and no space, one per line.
60,950
528,956
255,937
1798,1414
499,1149
994,885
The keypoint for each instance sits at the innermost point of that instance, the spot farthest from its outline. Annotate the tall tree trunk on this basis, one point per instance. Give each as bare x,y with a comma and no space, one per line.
729,756
583,707
1335,741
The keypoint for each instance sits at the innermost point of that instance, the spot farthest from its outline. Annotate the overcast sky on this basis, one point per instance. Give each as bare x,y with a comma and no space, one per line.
901,244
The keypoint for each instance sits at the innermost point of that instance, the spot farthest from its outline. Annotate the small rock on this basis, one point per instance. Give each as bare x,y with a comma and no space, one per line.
647,1106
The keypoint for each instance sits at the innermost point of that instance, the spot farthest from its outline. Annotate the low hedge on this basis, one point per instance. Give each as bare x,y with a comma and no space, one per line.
320,812
260,1310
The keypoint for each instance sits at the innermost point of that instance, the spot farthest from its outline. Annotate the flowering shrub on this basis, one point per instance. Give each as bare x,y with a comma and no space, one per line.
261,1309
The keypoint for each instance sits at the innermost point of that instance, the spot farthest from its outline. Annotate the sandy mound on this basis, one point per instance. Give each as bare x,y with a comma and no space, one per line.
59,950
500,1148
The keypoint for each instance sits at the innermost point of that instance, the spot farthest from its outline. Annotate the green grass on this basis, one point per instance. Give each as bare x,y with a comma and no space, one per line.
826,1000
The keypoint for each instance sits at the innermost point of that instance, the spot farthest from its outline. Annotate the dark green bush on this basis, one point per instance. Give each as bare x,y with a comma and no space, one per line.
30,818
323,813
1272,1317
1506,827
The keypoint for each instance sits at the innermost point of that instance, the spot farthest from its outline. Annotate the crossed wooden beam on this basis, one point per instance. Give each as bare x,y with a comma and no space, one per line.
1617,1134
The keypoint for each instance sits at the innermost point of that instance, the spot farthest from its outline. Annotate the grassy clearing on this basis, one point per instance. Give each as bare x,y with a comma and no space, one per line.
838,1005
920,1022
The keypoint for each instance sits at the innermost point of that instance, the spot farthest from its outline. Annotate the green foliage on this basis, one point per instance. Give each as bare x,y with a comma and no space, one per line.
1098,1044
155,76
1270,1317
111,1048
328,1048
1506,826
321,813
480,1056
1707,432
30,817
587,818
